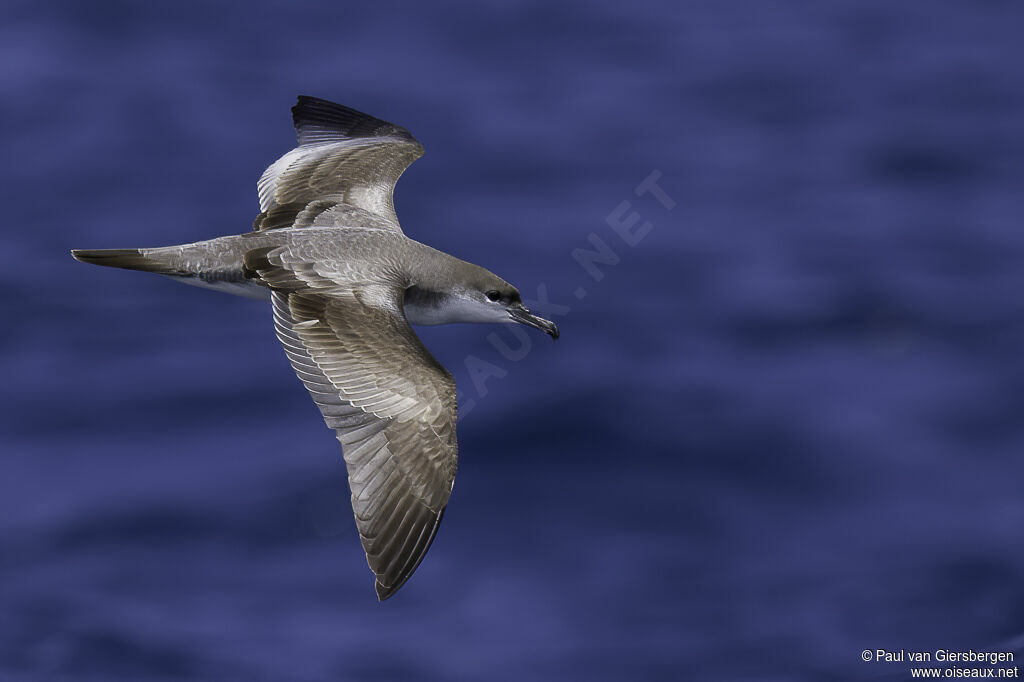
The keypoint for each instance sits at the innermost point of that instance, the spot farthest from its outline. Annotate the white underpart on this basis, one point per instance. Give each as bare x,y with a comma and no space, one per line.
457,309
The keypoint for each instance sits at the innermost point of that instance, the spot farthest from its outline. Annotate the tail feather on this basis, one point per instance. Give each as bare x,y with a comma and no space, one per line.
220,269
129,259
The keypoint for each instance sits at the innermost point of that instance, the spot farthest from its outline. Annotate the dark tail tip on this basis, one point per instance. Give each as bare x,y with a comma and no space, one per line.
131,259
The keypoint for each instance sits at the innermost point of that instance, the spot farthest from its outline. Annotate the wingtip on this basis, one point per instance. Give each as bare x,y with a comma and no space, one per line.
323,113
386,591
306,102
319,120
383,592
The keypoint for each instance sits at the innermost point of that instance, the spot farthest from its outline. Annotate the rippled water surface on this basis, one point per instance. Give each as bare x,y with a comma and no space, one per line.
786,425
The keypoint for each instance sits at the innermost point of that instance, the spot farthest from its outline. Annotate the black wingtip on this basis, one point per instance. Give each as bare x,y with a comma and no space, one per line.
319,120
385,591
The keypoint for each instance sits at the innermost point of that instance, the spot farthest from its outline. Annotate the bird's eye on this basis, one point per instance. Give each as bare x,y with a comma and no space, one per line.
493,295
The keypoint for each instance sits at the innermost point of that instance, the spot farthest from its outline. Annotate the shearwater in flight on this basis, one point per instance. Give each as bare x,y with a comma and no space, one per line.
344,283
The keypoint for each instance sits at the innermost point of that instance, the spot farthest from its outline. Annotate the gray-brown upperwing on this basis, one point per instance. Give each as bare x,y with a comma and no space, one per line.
343,172
390,402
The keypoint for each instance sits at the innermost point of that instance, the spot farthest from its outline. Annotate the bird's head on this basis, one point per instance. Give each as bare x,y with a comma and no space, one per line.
505,300
485,297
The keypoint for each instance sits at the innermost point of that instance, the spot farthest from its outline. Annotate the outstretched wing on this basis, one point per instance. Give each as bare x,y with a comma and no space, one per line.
345,159
390,402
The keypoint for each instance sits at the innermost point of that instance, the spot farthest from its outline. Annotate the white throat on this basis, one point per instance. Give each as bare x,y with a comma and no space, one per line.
431,309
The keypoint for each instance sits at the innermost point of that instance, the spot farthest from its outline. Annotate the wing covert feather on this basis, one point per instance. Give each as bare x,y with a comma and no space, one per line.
391,404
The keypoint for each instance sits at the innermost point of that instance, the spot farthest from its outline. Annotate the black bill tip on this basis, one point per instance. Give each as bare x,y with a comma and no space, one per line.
524,316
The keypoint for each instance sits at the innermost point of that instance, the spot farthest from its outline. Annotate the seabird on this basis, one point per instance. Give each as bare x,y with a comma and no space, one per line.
344,284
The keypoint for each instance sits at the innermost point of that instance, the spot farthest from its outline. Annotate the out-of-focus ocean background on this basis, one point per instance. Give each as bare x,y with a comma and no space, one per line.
784,426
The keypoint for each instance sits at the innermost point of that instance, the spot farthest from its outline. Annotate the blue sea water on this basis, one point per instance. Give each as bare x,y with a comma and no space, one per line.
784,426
